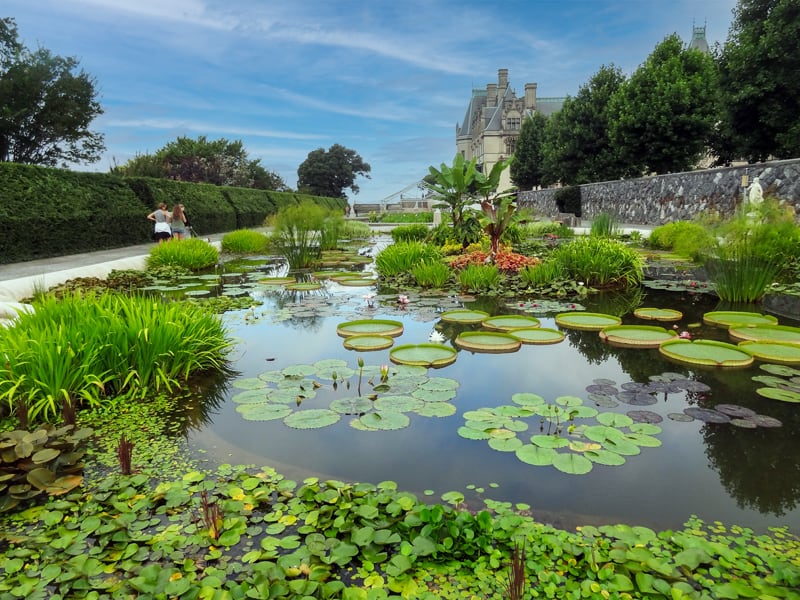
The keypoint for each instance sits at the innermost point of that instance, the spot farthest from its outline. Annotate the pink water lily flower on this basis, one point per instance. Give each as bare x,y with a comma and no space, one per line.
402,299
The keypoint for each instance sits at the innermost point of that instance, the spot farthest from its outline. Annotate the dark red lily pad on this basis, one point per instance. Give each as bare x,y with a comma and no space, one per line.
744,423
765,421
680,417
734,410
637,398
602,388
645,416
707,415
633,386
693,386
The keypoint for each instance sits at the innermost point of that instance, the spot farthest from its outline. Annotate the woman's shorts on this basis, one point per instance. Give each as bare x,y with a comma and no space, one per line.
161,235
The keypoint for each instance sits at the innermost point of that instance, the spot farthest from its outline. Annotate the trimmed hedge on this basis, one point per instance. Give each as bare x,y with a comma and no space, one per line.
568,200
54,212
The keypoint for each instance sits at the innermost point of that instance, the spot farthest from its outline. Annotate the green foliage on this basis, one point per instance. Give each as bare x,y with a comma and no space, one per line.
479,278
356,230
527,168
600,262
543,274
577,147
408,233
403,256
404,217
568,200
742,269
81,349
760,92
441,235
193,254
331,230
297,234
666,112
329,173
245,241
44,461
431,274
685,238
46,105
542,228
604,225
452,186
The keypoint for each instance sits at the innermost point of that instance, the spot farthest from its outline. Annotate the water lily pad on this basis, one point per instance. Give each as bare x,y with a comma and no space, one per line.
264,412
734,410
765,421
706,352
605,457
367,342
782,353
645,416
303,286
487,341
573,464
612,419
505,445
744,423
510,322
399,404
707,415
436,409
250,383
297,371
690,385
385,421
637,398
549,441
434,395
680,417
464,316
351,406
425,355
354,281
641,439
384,327
780,370
536,455
527,399
636,336
779,394
313,418
277,280
658,314
472,434
766,333
251,397
732,318
586,321
538,335
439,384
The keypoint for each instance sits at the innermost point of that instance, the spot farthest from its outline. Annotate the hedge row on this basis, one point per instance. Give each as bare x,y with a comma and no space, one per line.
54,212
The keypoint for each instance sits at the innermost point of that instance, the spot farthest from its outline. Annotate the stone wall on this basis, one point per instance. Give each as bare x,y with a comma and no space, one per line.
678,196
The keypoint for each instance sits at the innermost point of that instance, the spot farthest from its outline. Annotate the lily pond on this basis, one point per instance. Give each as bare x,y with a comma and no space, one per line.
577,430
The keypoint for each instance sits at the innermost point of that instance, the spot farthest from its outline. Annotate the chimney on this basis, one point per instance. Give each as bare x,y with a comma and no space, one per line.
502,79
530,96
491,94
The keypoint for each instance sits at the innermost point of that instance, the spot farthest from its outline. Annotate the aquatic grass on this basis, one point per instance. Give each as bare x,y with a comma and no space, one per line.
604,225
331,230
245,241
410,233
298,234
431,274
741,271
479,278
403,256
193,254
356,230
600,262
543,274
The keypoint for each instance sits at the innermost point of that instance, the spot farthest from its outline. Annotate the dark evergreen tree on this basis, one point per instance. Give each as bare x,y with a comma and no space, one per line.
526,169
329,173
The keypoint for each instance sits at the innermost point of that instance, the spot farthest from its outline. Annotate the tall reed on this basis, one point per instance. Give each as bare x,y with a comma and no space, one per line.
479,278
403,256
741,270
600,262
431,274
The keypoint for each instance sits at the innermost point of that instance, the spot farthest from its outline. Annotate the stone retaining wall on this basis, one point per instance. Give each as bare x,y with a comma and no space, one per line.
678,196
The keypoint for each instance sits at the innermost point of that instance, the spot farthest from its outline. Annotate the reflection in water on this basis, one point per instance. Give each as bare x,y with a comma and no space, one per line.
718,472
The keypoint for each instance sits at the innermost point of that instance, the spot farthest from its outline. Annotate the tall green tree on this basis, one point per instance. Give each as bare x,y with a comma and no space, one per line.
218,162
329,173
46,105
526,170
455,186
760,81
666,113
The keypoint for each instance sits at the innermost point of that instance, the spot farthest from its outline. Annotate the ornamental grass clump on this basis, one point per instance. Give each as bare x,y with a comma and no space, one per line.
543,274
403,256
302,231
604,225
742,270
83,349
193,254
410,233
431,274
684,238
479,278
245,241
600,262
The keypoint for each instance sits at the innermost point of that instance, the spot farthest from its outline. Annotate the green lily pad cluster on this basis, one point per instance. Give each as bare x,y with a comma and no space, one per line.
567,434
373,398
782,383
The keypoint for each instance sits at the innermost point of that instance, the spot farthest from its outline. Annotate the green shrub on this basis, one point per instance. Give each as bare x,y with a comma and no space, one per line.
245,241
331,229
402,257
193,254
297,233
568,200
479,278
393,217
600,262
542,274
356,230
409,233
431,274
441,235
542,228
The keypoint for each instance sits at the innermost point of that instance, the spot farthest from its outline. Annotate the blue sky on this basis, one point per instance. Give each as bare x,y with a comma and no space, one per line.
389,80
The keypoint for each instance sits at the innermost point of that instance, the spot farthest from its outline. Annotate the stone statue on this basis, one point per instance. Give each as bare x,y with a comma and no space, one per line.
755,194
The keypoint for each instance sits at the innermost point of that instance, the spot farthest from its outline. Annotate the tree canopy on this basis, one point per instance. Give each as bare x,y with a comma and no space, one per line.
760,81
329,173
46,106
218,162
665,114
527,168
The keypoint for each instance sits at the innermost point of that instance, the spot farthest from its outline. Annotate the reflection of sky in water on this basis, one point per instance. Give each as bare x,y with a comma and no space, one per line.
661,487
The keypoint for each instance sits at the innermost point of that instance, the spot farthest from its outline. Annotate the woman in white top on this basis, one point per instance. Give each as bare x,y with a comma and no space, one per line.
162,218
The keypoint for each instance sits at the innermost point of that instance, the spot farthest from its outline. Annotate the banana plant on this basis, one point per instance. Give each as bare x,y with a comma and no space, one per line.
498,207
453,186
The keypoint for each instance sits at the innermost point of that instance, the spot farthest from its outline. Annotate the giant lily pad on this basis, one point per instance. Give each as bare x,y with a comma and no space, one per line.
464,316
766,333
636,336
510,322
706,352
779,394
538,335
303,286
774,352
371,327
365,343
424,355
732,318
586,321
487,341
658,314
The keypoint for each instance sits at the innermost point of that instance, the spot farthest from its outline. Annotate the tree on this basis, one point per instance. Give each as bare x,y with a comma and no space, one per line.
46,106
666,113
759,68
526,170
453,186
578,142
330,173
218,162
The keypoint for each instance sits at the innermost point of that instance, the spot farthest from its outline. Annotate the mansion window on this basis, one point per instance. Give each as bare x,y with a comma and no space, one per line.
511,144
513,123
